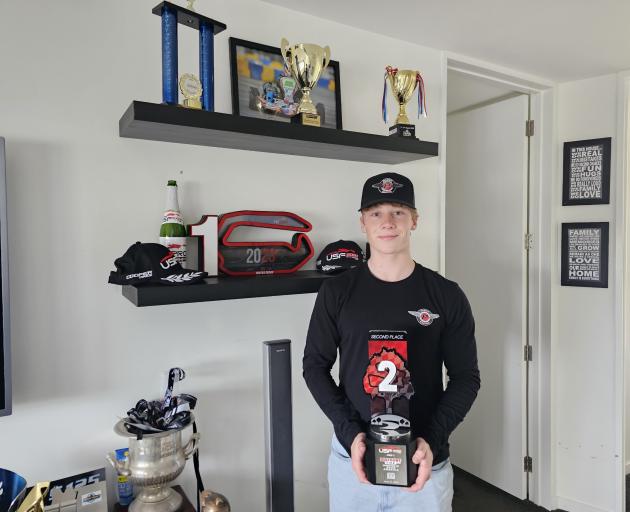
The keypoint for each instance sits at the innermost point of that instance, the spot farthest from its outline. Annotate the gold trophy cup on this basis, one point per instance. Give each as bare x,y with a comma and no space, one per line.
306,62
403,83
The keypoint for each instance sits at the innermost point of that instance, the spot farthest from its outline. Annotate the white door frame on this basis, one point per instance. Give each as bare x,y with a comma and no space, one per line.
542,482
622,280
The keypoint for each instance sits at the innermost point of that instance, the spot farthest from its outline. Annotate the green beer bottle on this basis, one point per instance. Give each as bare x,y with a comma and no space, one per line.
173,230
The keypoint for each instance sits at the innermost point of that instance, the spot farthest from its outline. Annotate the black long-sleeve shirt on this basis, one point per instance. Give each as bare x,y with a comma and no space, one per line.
352,304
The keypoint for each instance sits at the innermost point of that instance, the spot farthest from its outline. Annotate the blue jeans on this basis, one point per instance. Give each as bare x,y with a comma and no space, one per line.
347,494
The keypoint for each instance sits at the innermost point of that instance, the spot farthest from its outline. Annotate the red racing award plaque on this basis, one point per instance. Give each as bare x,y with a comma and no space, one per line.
387,380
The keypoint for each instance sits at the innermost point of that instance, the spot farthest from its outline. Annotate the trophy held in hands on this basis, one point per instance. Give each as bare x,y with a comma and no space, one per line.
389,441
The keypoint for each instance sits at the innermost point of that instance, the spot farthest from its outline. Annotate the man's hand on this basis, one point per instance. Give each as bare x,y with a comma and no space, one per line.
423,456
357,453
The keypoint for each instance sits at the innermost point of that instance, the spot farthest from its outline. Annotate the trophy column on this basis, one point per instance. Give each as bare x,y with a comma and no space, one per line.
194,88
206,65
169,56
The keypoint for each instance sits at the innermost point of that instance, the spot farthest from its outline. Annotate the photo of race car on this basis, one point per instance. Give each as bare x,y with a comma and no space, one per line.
277,97
262,87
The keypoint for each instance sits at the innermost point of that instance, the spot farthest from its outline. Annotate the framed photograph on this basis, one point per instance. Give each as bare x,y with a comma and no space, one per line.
586,172
585,254
262,88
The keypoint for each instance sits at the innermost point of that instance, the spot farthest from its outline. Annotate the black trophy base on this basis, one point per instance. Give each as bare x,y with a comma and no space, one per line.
307,119
403,130
389,463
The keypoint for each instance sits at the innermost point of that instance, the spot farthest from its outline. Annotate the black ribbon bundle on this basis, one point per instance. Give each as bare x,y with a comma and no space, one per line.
170,413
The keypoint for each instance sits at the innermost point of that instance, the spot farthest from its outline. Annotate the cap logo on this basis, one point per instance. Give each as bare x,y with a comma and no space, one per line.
387,186
424,316
168,261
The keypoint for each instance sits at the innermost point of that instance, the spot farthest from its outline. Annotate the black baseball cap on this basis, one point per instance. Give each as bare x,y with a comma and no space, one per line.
339,256
388,187
151,263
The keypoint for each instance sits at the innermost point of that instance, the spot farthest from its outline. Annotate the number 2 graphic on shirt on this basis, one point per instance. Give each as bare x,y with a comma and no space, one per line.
386,385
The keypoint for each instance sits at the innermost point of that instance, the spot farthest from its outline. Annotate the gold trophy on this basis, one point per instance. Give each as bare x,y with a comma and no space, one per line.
305,63
191,89
403,83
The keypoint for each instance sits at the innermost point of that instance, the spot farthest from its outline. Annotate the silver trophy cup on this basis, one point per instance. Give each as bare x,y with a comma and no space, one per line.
154,461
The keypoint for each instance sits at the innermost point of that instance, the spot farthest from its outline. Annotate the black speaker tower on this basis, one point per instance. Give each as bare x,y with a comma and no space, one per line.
278,426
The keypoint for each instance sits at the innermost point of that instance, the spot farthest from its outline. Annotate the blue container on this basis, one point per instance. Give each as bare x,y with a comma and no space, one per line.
124,487
12,489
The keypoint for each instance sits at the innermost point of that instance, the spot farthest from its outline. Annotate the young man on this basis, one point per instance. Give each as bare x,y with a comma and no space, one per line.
391,293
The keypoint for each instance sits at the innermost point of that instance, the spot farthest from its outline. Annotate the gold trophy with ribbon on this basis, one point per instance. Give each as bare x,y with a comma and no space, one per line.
403,83
305,62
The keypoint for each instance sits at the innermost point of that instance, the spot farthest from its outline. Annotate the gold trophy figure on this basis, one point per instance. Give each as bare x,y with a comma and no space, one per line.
305,62
34,501
191,90
403,83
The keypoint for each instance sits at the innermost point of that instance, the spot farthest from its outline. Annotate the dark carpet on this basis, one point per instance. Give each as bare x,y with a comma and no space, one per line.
474,495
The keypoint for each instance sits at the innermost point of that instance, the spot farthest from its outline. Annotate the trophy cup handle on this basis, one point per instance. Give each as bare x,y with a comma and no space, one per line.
119,466
191,446
284,47
326,56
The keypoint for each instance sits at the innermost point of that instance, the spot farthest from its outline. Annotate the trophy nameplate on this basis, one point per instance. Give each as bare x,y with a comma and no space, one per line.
403,130
307,119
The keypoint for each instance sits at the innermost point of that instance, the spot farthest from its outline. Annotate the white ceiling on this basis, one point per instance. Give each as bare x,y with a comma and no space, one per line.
465,91
560,40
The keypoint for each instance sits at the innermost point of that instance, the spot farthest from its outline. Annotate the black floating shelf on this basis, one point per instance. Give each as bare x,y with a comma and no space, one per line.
169,123
225,288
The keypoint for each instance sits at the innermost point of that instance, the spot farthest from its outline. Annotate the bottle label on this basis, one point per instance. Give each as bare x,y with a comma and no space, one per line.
177,245
172,217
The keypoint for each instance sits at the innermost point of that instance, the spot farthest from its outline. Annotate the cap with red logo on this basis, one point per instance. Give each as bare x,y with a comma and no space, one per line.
151,263
339,256
388,187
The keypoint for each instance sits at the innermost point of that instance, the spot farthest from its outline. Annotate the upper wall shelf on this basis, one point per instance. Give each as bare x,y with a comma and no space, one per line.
168,123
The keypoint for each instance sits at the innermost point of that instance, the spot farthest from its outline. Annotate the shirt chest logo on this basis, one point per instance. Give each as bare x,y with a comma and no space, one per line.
424,316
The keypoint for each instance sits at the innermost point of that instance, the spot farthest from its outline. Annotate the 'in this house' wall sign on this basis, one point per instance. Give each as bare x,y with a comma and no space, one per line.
586,172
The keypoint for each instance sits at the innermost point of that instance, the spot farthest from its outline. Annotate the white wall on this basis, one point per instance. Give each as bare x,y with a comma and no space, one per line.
583,321
79,195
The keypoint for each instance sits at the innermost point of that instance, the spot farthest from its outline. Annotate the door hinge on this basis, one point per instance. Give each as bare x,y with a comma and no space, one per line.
527,353
529,128
529,241
527,464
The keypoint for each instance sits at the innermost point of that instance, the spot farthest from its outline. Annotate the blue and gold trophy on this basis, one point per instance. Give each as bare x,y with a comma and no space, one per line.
172,15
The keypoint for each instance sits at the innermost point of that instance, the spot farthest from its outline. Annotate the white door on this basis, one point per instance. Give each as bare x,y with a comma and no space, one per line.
486,219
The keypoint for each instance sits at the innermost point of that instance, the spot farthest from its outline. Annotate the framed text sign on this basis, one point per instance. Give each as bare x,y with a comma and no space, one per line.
586,172
585,254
